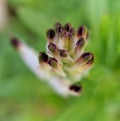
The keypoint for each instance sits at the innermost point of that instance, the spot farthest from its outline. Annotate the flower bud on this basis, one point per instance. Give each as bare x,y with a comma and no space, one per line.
91,60
43,57
80,43
77,88
15,42
81,32
87,65
53,63
59,29
67,27
78,48
72,32
63,53
50,34
52,48
84,58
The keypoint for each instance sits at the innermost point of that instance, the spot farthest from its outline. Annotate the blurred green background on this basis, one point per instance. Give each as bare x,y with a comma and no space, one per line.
23,97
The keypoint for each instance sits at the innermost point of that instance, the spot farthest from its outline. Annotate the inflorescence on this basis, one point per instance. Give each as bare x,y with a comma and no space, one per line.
64,57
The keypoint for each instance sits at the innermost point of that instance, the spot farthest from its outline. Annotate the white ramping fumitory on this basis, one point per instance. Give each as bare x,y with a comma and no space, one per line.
64,62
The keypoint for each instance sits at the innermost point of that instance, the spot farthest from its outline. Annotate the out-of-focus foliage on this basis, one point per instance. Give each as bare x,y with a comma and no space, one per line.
24,98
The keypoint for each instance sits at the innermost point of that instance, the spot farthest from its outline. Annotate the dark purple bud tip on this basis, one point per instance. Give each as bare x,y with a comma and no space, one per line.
15,42
43,57
59,30
91,60
51,34
80,43
76,88
57,24
67,27
81,31
63,53
72,31
58,27
87,56
53,62
52,48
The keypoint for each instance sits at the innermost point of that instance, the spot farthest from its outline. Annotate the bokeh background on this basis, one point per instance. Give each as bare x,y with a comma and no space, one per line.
23,97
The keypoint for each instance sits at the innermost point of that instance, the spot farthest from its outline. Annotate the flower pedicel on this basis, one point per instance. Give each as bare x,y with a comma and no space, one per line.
64,62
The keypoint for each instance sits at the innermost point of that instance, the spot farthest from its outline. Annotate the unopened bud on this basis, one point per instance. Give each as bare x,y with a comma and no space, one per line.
80,43
15,42
59,29
52,48
53,62
63,53
43,57
91,60
85,57
81,31
76,88
50,34
67,27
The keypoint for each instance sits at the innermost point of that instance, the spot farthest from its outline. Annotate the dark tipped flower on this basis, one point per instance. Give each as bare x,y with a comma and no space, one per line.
91,60
53,63
52,48
50,34
67,27
43,57
80,43
59,28
81,32
76,88
15,42
63,53
85,57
